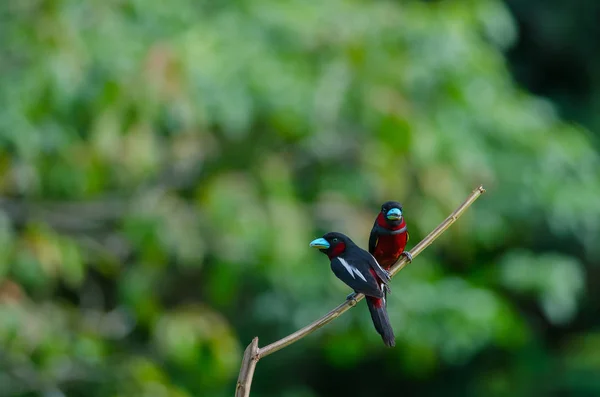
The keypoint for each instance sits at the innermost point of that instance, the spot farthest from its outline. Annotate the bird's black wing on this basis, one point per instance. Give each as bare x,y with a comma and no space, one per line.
373,237
381,273
357,276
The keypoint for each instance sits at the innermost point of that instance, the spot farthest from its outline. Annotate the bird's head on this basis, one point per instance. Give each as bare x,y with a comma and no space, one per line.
392,212
332,244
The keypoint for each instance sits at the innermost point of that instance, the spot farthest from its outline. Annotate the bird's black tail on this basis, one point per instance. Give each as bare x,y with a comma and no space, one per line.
381,320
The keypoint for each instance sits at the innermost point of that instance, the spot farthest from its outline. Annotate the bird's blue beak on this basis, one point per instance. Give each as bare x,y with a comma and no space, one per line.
320,243
394,214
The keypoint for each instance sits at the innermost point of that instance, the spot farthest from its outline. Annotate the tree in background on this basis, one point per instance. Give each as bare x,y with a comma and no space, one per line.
163,166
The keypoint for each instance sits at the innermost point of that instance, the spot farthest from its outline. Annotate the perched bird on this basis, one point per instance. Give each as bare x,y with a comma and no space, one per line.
361,272
389,235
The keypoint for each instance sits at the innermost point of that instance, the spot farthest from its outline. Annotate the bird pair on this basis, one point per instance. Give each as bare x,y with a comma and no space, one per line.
367,272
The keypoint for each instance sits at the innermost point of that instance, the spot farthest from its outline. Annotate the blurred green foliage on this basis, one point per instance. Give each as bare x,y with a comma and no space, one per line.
163,166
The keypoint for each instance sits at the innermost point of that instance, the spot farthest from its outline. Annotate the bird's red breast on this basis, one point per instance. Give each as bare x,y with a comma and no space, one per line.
389,247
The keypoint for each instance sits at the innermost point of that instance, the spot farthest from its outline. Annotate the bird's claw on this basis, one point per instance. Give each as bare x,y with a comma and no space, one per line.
351,296
408,256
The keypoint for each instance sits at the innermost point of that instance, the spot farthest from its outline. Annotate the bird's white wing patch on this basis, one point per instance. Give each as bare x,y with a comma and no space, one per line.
352,270
347,266
359,274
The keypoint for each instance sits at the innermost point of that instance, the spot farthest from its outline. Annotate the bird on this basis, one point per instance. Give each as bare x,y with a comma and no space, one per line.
389,235
359,270
388,239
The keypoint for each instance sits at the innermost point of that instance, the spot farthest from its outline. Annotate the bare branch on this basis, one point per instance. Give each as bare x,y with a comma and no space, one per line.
250,359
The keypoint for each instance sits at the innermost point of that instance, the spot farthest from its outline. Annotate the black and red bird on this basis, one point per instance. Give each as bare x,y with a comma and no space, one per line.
361,272
389,235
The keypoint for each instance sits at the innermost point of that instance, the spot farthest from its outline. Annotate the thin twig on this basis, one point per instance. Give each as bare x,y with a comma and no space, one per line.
253,353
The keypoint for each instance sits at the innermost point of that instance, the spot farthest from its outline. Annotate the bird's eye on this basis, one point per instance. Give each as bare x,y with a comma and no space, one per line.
335,240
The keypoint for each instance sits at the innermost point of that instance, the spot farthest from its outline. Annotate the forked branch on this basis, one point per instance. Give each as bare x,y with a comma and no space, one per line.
253,353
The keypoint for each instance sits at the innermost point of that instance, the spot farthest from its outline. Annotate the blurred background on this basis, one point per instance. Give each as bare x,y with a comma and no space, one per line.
164,165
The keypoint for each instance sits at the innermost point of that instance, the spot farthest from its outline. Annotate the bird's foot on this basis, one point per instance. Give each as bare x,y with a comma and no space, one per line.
351,297
408,256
